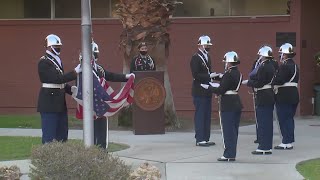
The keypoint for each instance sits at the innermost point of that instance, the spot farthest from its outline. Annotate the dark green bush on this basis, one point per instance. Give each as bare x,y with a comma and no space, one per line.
72,160
125,117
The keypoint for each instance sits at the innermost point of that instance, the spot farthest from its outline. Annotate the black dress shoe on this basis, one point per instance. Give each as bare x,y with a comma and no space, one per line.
283,148
256,141
202,143
226,159
209,143
261,152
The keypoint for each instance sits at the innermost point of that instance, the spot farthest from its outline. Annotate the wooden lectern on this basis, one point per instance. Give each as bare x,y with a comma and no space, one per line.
148,107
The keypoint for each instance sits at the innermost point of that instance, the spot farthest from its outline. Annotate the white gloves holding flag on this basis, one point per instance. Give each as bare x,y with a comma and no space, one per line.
213,75
129,75
205,86
78,69
74,91
245,81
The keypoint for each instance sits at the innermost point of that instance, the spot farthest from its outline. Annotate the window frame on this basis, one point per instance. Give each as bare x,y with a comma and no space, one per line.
53,9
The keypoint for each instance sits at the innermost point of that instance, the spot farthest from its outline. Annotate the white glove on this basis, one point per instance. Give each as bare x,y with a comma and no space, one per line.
212,75
245,82
129,75
80,57
78,69
205,86
74,91
214,84
220,75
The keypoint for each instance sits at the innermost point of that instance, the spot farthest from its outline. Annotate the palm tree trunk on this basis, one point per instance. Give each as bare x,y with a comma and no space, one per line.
153,30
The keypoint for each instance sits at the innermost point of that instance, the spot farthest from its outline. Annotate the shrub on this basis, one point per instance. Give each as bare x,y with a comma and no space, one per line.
146,171
125,117
72,160
10,173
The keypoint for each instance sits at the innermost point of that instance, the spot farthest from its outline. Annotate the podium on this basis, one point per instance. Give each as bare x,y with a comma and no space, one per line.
148,107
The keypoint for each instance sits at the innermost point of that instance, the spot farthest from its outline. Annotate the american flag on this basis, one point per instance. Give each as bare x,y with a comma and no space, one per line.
106,102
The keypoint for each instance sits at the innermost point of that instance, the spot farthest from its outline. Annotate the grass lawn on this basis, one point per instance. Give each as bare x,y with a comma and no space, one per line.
310,169
31,121
12,148
34,122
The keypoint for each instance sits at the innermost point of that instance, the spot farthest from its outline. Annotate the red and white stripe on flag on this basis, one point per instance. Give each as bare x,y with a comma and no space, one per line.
119,100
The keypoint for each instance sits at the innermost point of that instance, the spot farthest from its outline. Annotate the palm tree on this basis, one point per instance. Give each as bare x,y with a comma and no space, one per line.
148,20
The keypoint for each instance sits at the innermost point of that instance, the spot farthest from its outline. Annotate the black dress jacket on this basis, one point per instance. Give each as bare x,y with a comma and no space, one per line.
142,63
200,69
110,76
264,76
53,99
229,82
288,73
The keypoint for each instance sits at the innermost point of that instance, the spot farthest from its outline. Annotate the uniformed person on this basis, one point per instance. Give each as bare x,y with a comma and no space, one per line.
143,61
287,96
200,65
100,123
261,80
51,102
252,74
230,105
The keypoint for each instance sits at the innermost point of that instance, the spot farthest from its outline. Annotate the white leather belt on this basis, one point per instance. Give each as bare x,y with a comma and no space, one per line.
288,84
268,86
230,92
53,86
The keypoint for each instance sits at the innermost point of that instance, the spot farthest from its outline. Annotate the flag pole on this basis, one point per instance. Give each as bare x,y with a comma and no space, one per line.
87,73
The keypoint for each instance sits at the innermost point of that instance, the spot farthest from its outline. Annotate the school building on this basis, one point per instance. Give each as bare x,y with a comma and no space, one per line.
238,25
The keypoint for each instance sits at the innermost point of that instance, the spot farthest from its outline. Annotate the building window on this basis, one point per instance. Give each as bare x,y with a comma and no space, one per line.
72,8
51,9
100,8
20,9
202,8
67,8
209,8
258,7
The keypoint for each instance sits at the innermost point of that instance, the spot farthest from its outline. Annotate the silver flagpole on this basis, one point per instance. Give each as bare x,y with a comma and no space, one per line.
87,73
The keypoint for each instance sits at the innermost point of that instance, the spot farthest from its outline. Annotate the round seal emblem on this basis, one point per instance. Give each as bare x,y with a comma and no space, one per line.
149,94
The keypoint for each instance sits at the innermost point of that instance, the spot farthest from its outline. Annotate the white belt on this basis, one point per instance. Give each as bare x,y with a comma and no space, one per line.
48,85
268,86
231,92
288,84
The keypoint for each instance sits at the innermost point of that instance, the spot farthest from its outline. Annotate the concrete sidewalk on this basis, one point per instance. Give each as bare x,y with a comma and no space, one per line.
178,158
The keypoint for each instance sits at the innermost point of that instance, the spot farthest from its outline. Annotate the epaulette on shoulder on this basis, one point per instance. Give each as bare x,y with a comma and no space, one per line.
43,57
196,55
